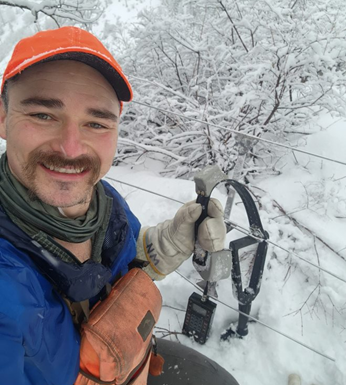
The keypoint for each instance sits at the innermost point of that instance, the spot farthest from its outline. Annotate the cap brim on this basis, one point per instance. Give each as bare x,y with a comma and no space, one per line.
111,75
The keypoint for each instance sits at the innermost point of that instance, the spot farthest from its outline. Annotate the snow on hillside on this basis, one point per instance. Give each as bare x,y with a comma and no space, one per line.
296,298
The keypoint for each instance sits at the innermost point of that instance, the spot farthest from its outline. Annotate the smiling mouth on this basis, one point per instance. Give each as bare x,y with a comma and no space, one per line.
64,170
61,168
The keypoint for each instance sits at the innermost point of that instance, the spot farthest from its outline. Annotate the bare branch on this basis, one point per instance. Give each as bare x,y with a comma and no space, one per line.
72,10
234,26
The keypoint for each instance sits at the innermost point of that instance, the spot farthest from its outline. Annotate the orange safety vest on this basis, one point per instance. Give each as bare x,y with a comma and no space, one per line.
116,340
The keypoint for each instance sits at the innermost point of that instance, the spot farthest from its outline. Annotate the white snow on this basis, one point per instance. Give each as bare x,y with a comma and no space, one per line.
295,298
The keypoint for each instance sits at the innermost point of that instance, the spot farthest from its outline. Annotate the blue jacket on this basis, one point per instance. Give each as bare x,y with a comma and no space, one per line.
39,344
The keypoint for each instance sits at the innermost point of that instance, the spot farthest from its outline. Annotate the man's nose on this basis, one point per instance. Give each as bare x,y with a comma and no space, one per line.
71,142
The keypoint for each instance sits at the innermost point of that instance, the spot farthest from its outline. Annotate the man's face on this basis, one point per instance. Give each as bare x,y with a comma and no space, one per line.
61,129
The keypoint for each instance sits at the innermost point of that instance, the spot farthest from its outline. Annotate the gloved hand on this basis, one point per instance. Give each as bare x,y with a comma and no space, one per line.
167,245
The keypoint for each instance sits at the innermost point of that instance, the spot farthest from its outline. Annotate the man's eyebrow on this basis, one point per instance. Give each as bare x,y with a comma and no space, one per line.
57,103
103,114
44,102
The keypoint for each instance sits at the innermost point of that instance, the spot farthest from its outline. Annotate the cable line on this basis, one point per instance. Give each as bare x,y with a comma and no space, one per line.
245,231
242,133
143,189
240,229
260,322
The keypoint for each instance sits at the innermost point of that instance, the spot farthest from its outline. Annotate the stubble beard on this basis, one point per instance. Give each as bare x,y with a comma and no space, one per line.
86,162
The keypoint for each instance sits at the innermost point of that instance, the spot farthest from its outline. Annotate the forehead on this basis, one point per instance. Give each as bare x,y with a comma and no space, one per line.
63,74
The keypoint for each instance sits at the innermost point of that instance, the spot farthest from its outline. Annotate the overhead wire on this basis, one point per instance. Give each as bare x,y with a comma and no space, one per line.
241,133
244,231
143,189
260,322
240,229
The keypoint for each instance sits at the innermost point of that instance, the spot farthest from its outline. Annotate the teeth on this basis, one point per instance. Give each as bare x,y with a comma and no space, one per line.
65,170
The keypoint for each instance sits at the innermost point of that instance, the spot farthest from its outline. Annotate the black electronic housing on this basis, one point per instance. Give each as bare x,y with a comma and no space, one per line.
199,317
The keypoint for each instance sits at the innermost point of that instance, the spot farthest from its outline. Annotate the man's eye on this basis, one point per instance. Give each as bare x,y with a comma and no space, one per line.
96,125
41,116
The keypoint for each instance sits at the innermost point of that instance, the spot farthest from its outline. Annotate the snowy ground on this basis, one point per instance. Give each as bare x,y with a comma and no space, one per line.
295,298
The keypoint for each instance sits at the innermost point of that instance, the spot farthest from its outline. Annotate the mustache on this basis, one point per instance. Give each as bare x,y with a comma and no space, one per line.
84,162
92,164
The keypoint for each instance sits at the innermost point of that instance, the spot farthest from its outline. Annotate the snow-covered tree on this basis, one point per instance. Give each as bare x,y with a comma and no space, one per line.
21,18
82,11
260,67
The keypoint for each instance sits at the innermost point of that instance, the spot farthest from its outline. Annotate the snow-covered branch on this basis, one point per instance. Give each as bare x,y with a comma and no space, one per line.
80,11
257,67
149,148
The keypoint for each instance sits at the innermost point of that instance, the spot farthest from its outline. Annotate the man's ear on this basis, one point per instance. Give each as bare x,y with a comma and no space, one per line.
3,115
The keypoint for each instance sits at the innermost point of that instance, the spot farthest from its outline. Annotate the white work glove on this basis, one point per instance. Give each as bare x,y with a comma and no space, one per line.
166,246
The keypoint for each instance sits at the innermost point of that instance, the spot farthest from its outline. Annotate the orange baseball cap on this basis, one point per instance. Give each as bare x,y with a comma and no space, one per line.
68,43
